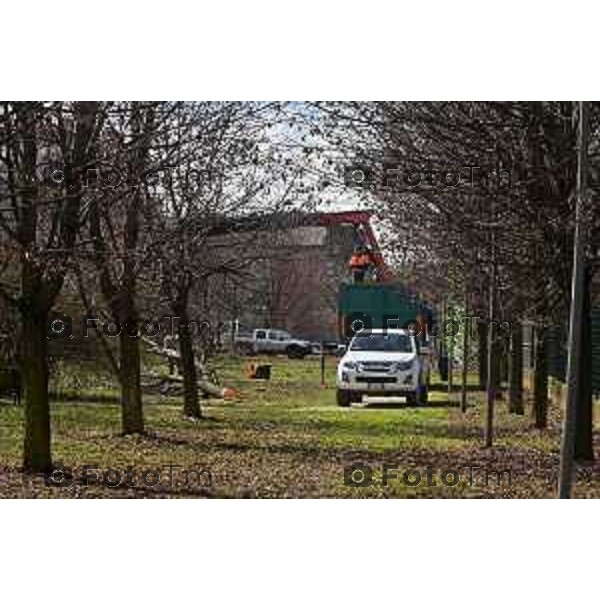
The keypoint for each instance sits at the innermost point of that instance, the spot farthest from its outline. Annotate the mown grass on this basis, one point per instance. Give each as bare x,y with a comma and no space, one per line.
287,438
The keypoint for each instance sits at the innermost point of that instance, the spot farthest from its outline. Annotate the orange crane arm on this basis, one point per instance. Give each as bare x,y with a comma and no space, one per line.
361,219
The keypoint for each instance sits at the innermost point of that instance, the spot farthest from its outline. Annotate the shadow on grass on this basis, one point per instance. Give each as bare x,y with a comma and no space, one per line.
71,398
443,387
400,404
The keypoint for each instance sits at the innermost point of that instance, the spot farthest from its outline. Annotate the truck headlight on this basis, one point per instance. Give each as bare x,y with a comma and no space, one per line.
404,366
349,365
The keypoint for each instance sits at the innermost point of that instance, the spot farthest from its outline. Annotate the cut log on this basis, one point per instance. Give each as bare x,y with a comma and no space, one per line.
208,387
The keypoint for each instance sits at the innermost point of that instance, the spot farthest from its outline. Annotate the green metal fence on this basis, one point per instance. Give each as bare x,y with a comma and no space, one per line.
557,351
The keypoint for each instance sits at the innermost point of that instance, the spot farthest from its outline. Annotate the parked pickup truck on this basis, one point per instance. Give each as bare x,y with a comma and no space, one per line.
383,363
272,341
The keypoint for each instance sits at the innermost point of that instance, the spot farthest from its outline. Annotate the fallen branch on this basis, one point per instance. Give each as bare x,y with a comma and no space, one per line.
208,387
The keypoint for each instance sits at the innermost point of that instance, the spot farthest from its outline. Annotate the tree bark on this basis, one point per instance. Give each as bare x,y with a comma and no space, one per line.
191,404
584,444
515,395
450,347
465,355
36,454
483,361
540,380
498,356
493,383
503,361
132,417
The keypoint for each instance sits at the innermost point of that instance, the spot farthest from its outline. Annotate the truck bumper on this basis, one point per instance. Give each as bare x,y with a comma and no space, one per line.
389,382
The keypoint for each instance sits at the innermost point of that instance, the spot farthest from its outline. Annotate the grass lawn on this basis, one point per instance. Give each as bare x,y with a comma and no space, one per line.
287,438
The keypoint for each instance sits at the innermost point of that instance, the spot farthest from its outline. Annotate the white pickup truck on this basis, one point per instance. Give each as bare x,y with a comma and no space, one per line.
383,363
272,341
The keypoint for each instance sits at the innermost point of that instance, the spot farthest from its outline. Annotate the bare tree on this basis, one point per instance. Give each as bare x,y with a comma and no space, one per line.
40,234
118,232
228,174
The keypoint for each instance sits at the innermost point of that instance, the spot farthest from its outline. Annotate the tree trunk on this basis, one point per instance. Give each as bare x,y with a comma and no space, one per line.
129,374
34,365
448,342
577,307
191,405
493,382
515,394
503,361
498,356
540,380
465,355
584,445
450,347
482,343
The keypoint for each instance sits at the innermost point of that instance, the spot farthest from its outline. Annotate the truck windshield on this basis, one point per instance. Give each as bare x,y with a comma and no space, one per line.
378,342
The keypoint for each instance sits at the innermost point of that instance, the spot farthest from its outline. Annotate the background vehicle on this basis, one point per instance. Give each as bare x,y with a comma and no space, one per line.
329,348
272,341
383,362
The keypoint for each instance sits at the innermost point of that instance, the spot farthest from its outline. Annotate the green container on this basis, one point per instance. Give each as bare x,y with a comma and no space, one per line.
379,306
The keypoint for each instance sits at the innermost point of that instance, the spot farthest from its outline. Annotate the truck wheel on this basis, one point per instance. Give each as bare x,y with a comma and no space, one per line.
356,397
411,398
295,352
423,397
343,398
